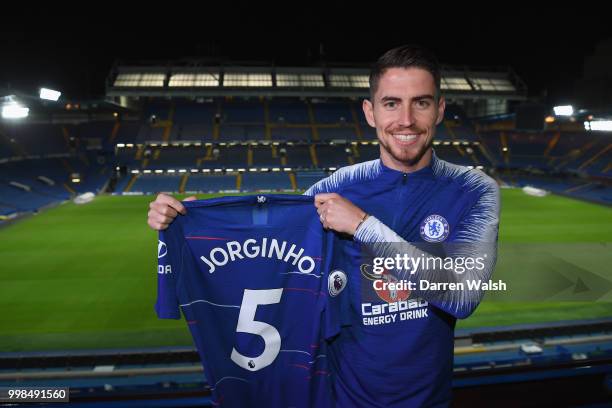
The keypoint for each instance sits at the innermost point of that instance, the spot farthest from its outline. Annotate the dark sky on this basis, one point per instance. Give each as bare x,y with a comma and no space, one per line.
75,52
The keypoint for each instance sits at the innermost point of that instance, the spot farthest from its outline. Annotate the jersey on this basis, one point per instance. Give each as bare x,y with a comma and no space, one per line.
252,278
398,351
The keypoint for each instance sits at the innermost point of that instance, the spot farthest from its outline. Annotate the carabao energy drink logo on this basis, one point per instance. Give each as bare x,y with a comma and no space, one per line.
385,294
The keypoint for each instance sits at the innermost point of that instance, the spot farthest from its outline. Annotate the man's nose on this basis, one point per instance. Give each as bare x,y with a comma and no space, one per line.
406,116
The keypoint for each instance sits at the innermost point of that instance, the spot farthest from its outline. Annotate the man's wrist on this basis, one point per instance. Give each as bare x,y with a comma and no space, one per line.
361,221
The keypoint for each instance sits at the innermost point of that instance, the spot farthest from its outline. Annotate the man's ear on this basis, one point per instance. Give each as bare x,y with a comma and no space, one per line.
441,109
368,111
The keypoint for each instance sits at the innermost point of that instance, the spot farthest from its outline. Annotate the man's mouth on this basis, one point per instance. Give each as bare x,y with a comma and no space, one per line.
405,138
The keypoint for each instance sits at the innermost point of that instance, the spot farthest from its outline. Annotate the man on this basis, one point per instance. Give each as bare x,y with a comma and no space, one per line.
397,348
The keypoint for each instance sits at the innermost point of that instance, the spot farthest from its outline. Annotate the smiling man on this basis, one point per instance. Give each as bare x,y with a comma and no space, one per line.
396,348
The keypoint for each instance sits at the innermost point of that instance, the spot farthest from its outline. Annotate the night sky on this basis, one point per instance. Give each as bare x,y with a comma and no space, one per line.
75,52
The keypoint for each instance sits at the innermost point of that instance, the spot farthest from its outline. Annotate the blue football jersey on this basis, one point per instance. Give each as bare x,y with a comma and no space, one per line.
398,351
252,276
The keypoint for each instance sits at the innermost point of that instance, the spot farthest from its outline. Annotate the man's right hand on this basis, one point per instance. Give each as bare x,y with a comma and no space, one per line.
164,210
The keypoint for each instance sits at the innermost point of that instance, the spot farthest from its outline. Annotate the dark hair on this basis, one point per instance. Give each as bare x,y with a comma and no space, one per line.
406,56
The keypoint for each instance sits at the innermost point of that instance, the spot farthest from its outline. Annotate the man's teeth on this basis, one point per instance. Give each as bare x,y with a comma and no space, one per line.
405,138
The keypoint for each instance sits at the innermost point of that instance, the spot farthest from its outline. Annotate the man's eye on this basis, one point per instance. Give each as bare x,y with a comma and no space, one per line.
390,104
423,103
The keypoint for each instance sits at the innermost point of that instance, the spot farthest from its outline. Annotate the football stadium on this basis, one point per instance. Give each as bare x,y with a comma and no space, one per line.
79,274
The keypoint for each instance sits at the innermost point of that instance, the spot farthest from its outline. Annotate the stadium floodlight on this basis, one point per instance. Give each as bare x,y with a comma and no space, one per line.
120,144
229,169
171,171
130,145
565,110
159,171
287,169
135,171
241,170
182,171
599,125
14,110
505,149
332,169
252,169
194,170
49,94
147,171
275,169
205,170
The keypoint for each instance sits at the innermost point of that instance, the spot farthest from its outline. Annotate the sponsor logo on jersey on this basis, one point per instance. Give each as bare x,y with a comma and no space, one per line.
434,228
388,295
261,199
162,249
336,282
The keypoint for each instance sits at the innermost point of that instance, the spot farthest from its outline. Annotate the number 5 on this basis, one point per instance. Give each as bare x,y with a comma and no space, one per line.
247,324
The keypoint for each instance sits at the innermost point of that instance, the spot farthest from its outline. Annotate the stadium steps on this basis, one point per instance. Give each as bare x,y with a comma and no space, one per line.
67,166
313,155
69,189
131,183
293,180
448,127
570,157
66,135
503,140
250,157
311,118
183,183
114,132
267,131
355,116
15,147
552,143
217,126
139,153
595,157
579,187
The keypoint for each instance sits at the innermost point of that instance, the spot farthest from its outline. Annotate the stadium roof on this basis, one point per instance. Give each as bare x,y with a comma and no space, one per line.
194,80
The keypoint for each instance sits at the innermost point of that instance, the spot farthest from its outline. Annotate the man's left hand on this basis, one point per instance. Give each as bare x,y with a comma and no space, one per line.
338,213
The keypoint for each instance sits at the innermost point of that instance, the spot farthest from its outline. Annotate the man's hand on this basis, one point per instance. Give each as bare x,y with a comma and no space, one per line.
338,213
164,210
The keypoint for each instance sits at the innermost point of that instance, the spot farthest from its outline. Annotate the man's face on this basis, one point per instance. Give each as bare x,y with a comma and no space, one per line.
405,113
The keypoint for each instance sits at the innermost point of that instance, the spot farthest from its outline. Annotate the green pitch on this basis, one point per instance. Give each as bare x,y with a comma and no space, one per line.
84,276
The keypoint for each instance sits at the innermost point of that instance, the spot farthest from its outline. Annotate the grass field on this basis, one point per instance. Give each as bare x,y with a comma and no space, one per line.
85,276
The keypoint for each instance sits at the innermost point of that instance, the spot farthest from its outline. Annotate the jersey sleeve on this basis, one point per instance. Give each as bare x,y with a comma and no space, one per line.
169,253
475,237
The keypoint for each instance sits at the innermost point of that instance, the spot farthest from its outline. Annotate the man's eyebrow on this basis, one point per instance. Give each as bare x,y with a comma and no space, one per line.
414,98
390,98
422,97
